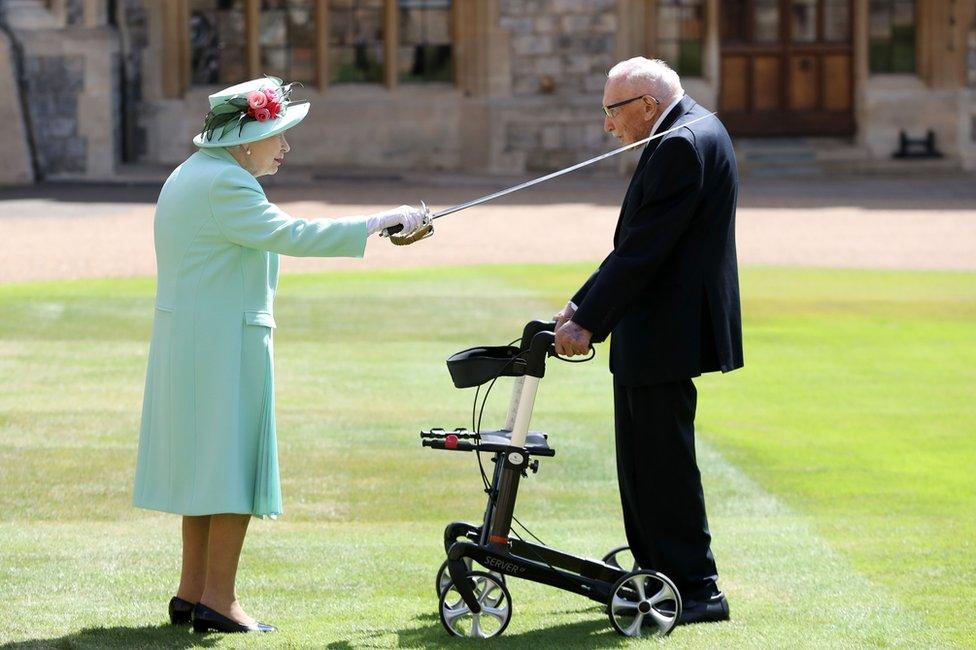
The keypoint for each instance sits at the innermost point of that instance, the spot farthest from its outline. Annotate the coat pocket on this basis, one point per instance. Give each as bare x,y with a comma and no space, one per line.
262,318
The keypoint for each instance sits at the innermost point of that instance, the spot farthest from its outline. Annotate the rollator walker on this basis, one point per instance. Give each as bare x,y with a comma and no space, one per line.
476,602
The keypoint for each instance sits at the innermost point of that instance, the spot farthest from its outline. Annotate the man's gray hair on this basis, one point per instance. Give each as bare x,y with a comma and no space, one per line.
652,75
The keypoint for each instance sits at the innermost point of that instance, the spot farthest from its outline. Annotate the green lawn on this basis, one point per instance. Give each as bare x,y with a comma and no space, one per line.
838,464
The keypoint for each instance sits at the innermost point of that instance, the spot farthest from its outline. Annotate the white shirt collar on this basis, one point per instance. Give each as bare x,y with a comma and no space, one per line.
665,112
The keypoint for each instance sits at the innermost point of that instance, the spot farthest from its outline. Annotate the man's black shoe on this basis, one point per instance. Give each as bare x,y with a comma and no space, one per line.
710,610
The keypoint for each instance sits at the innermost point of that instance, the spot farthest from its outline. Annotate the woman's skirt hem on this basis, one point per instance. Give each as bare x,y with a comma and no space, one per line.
193,512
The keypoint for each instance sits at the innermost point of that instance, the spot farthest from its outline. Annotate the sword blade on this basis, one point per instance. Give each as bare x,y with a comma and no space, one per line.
555,174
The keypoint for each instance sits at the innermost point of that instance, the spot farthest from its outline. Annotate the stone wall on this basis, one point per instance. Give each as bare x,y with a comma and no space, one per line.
53,84
15,164
968,128
560,53
895,103
560,47
72,87
70,80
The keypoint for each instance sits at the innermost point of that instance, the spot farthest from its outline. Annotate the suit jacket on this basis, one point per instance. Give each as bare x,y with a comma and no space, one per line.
669,291
207,442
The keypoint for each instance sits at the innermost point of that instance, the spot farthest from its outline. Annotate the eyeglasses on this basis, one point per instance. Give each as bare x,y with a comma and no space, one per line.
608,109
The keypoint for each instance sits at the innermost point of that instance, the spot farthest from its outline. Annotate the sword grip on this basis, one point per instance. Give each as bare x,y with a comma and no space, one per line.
392,230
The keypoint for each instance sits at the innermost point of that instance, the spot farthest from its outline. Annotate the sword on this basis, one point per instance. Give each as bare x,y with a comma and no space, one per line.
428,228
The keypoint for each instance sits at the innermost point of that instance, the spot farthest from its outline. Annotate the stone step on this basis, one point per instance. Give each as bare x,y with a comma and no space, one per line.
28,14
779,157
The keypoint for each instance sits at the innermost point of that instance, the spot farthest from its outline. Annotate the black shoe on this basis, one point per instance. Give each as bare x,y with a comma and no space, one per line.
179,611
206,620
709,610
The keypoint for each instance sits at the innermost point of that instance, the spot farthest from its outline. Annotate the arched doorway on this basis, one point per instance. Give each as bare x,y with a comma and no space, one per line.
787,67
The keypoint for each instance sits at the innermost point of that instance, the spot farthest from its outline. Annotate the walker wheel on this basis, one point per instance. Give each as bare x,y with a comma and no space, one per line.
443,579
496,608
644,601
622,558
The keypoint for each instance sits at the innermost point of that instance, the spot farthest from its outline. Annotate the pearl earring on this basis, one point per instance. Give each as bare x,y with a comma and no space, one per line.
247,151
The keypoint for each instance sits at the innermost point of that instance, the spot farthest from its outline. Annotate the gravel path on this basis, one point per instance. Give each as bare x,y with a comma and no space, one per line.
55,231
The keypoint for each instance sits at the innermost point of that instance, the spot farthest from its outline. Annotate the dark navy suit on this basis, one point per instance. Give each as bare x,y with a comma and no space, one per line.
669,295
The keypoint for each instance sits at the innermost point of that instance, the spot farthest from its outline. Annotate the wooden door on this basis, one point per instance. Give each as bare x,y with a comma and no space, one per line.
787,67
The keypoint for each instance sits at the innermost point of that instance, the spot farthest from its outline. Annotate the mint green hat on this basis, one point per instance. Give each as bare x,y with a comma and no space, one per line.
250,111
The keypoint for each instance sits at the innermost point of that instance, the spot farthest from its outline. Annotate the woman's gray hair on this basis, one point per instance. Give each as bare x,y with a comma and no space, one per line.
652,75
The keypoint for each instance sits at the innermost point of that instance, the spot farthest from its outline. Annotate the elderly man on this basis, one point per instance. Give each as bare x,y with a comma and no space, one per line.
669,294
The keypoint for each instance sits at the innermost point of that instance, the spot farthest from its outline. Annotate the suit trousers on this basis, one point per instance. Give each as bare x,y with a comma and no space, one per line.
660,484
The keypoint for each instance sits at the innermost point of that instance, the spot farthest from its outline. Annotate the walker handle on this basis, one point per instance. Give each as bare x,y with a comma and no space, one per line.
532,328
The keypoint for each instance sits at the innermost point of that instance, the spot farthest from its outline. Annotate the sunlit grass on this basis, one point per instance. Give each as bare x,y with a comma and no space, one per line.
837,464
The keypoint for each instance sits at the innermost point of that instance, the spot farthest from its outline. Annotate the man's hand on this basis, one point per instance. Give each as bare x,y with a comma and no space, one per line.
566,314
571,339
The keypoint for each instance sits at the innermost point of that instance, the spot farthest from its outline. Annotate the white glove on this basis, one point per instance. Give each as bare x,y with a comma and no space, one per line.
405,216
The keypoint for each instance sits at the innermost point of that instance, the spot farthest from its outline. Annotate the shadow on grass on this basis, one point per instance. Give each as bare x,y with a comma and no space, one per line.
147,636
428,632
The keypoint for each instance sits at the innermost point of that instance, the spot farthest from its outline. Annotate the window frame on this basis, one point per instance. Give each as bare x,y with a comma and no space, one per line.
917,56
176,28
653,40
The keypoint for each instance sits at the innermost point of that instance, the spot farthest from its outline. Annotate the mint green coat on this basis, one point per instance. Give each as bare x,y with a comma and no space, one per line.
207,443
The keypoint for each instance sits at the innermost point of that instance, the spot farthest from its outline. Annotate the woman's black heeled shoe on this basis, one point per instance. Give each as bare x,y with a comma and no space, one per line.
207,620
180,611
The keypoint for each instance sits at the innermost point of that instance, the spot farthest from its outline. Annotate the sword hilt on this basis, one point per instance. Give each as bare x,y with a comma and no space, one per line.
392,230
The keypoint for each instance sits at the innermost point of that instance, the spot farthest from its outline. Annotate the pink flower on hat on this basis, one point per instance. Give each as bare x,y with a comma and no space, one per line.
262,114
274,102
257,99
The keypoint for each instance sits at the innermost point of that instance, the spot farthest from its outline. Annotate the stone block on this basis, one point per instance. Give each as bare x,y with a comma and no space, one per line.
513,7
546,25
569,6
516,25
58,127
522,137
532,44
594,83
550,65
576,24
551,138
75,148
594,137
599,44
573,136
606,23
576,63
525,84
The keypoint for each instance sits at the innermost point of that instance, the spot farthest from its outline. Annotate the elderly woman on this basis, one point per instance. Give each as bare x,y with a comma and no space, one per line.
207,446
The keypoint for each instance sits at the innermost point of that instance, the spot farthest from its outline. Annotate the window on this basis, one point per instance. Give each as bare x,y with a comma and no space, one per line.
287,39
892,36
837,21
765,27
356,40
217,37
679,31
317,42
425,40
